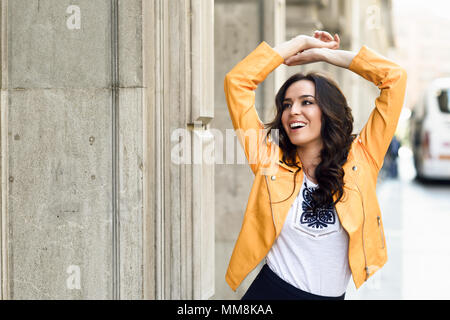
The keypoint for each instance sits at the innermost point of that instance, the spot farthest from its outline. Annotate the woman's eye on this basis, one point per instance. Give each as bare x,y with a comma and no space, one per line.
307,102
286,105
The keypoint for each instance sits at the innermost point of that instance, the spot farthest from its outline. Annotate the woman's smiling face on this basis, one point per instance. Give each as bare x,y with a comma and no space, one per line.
302,116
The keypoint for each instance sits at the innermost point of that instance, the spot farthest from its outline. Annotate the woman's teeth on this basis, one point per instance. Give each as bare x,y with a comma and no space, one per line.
297,125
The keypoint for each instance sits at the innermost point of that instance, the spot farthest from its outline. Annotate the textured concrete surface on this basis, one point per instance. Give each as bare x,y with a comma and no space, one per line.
44,53
59,107
59,192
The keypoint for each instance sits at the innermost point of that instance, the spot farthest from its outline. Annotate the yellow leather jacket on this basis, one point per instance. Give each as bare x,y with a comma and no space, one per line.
358,210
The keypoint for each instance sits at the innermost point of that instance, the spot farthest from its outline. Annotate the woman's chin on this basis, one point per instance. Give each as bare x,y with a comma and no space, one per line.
299,142
303,142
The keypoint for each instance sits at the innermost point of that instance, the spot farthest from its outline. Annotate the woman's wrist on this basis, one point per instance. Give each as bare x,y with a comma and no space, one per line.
291,47
339,58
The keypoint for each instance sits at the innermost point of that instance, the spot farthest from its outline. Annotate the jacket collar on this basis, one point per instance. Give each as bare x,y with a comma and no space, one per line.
284,165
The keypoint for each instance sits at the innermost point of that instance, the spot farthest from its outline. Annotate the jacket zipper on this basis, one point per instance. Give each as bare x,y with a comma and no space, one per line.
381,232
362,235
271,210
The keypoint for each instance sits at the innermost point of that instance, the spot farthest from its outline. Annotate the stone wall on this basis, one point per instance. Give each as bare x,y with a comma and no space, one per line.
93,205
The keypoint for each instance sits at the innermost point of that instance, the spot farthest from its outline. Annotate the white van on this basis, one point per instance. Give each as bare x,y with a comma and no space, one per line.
430,132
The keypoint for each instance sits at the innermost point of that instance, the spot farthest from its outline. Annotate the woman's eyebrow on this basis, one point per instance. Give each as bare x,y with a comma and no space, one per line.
306,96
301,97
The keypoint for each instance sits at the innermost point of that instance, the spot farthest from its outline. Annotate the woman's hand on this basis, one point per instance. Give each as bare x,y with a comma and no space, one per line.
315,50
321,39
324,37
340,58
307,56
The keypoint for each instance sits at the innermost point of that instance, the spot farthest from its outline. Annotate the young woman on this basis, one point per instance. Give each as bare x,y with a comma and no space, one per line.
313,213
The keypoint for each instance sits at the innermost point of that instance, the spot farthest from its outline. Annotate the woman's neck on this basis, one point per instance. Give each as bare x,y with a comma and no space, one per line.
310,159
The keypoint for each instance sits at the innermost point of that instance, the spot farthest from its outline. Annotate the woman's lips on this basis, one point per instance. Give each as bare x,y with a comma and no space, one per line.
297,125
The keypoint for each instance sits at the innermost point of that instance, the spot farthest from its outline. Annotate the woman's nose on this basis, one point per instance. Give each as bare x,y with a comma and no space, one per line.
296,108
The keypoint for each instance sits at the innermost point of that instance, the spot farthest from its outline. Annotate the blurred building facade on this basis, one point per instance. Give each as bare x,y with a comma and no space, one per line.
423,46
239,27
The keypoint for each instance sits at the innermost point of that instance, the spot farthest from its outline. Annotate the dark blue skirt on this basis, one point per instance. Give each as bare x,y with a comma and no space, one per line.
269,286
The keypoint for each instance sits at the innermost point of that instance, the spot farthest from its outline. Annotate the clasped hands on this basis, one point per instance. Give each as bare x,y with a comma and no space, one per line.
312,49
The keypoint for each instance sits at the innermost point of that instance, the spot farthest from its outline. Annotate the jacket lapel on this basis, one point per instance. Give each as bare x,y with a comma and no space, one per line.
280,204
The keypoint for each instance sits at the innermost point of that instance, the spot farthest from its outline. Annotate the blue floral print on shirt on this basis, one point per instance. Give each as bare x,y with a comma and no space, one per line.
318,219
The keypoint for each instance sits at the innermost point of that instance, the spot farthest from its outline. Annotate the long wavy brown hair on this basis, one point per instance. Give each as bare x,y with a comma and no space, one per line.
336,133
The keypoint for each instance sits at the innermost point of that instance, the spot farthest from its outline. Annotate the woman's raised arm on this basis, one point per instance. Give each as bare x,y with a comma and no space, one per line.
389,77
241,82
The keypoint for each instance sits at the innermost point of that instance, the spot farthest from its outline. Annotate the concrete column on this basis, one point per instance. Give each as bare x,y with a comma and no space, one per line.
93,207
202,183
58,199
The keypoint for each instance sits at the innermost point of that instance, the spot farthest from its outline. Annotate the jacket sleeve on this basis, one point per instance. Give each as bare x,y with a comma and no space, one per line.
240,85
390,78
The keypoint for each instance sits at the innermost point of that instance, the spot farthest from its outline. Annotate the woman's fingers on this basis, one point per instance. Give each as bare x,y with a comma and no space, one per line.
336,42
296,60
318,43
323,36
337,39
327,37
307,56
288,61
292,59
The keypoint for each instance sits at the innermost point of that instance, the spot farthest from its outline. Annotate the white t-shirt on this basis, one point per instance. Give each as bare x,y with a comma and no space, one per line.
311,252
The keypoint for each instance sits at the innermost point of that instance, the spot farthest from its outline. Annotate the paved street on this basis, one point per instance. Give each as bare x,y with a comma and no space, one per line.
417,219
